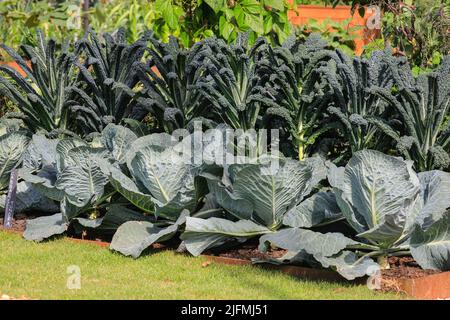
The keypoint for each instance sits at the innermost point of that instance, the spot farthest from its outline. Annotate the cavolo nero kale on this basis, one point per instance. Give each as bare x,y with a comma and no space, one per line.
231,83
355,105
41,95
423,107
105,90
169,78
297,92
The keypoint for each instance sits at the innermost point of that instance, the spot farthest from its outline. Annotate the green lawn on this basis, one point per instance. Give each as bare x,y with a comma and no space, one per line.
39,271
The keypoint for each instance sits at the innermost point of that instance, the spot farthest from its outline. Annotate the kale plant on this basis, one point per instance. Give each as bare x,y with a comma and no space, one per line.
355,104
106,87
41,95
423,107
297,91
231,83
169,79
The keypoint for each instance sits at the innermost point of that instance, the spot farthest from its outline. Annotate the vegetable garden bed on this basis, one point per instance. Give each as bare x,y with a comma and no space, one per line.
106,148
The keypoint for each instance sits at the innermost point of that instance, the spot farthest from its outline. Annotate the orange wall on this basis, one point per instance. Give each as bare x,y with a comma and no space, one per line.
339,13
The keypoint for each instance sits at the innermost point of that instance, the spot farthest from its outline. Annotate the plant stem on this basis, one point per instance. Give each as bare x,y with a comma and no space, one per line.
383,262
301,152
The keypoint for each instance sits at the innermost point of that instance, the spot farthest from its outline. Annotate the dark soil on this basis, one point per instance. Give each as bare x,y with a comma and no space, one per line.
246,251
19,222
402,268
249,252
88,234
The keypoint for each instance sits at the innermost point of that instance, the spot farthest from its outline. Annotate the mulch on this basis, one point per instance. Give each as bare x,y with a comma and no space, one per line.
247,251
402,268
19,222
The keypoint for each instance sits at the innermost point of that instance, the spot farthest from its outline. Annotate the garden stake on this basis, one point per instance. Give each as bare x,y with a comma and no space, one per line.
10,200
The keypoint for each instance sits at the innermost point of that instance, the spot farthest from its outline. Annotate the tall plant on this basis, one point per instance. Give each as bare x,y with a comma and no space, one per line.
355,104
232,83
41,95
297,91
105,88
423,107
169,80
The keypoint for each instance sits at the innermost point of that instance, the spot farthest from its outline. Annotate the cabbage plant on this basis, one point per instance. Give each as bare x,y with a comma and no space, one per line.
393,210
75,180
13,145
160,181
256,196
39,158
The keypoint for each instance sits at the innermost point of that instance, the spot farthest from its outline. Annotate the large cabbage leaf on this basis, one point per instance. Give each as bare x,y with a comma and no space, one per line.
82,180
12,147
320,208
44,227
434,197
202,234
328,249
315,243
253,192
118,139
133,237
431,247
376,194
128,188
163,181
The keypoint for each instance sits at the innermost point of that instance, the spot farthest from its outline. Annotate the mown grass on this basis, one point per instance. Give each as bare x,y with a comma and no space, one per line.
39,271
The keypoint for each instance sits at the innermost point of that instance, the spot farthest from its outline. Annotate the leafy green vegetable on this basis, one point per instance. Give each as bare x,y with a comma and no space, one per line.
297,91
319,209
231,83
44,227
12,147
257,195
105,88
41,97
431,247
393,210
169,79
133,237
202,234
423,106
253,192
73,177
353,82
162,182
376,194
